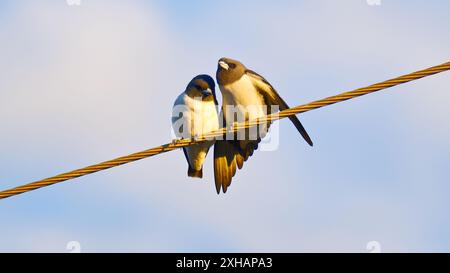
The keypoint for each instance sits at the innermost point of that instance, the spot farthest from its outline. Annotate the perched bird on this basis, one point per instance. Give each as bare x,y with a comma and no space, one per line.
194,114
247,95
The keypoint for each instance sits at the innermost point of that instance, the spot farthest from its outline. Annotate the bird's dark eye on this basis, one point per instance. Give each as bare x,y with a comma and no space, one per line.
232,66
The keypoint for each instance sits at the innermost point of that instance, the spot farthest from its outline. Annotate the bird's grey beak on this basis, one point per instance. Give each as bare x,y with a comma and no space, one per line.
207,92
224,65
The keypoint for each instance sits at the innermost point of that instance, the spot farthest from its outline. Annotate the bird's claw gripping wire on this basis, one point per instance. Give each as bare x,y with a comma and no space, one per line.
177,140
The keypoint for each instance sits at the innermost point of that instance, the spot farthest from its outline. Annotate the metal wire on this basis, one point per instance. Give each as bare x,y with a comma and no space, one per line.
221,132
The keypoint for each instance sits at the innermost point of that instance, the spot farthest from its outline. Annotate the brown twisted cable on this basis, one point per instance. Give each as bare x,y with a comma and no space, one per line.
187,142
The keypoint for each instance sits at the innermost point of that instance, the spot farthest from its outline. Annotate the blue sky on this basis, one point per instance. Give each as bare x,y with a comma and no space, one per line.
83,84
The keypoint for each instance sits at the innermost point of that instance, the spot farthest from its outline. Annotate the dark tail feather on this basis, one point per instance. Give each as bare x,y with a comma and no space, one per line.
193,173
283,106
224,164
301,129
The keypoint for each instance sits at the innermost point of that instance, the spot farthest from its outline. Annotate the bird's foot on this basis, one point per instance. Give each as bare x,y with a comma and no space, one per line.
177,140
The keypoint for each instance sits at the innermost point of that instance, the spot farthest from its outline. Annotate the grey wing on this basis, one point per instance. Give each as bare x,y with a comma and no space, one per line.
273,98
180,130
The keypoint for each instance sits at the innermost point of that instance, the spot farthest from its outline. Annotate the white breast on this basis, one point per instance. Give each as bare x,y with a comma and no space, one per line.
245,99
198,117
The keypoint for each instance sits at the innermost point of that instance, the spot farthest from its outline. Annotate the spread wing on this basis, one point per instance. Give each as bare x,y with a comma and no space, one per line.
273,98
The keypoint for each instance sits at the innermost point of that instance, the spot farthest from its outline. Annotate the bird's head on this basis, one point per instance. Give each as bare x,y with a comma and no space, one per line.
202,86
229,70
